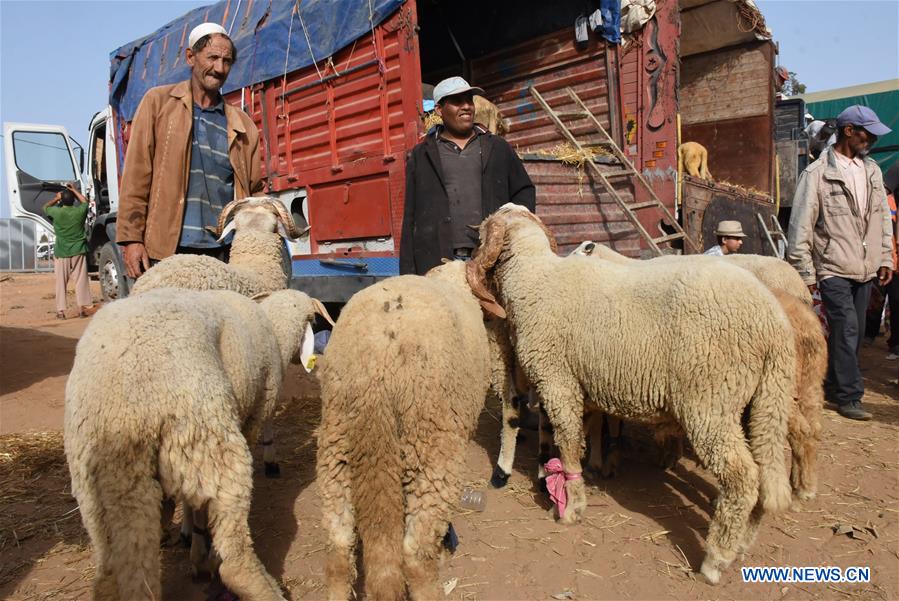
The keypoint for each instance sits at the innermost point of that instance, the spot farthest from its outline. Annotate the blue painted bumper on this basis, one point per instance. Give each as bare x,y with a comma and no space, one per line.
381,267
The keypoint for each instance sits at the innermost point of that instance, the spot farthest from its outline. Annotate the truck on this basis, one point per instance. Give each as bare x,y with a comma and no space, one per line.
336,90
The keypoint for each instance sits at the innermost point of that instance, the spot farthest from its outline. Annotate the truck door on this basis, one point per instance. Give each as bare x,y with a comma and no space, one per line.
39,159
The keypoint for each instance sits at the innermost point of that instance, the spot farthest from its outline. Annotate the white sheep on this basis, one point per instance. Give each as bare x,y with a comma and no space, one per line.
804,425
193,376
255,265
775,273
397,411
673,343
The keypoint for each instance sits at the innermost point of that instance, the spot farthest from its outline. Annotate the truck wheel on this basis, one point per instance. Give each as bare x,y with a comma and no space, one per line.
111,271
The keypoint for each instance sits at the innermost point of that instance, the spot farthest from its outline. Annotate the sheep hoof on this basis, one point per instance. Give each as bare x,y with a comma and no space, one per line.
272,470
499,478
450,539
805,494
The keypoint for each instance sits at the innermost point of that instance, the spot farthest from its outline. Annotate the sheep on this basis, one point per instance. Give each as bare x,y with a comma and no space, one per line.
397,411
667,343
775,273
488,114
254,266
255,263
194,376
694,158
811,364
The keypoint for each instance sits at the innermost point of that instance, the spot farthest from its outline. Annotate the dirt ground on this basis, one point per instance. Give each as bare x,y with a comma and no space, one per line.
642,537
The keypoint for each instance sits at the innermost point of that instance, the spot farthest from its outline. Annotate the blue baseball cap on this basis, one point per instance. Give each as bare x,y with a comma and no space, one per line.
862,116
452,86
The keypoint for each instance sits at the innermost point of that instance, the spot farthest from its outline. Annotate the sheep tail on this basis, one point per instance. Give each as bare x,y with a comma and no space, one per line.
768,417
379,502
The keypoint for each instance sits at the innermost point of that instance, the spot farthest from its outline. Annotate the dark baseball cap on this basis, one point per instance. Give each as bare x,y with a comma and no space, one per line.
862,116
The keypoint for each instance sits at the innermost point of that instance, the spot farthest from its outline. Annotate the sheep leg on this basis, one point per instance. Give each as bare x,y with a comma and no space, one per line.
548,450
90,505
613,458
338,517
593,427
429,497
269,458
123,517
721,446
187,525
804,448
508,440
565,409
202,559
225,453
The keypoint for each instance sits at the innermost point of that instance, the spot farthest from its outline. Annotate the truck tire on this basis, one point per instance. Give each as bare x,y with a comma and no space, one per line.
111,271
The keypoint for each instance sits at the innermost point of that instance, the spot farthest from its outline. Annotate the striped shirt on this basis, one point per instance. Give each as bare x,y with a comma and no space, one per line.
210,185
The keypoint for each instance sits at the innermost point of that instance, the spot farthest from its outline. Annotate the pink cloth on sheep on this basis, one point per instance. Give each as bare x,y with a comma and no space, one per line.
556,476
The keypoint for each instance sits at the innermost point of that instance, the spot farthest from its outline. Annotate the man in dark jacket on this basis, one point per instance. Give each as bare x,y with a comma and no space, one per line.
457,176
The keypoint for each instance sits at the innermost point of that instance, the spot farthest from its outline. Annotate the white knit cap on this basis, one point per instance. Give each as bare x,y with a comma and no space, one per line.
204,29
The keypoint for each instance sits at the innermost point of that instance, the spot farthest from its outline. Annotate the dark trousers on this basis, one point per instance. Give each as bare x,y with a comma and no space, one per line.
891,291
845,302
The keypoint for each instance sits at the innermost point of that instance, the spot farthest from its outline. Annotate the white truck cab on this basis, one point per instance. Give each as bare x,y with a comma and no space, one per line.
41,158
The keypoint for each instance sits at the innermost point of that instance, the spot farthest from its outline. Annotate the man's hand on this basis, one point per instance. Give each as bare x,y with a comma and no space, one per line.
885,275
136,258
812,288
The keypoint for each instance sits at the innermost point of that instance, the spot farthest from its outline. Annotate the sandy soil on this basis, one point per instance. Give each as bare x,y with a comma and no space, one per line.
642,537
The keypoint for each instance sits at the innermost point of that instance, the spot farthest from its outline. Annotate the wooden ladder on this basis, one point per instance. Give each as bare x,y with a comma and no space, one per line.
627,170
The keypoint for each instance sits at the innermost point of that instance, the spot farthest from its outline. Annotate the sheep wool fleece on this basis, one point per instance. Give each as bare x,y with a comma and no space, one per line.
404,379
194,376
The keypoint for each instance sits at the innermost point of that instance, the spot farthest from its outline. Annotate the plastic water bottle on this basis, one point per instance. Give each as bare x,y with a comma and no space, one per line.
473,499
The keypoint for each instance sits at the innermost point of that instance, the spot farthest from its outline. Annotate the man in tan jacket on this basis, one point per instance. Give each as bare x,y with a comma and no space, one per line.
839,241
189,154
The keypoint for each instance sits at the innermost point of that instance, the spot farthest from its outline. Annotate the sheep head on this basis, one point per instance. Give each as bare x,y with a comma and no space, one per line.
262,213
493,232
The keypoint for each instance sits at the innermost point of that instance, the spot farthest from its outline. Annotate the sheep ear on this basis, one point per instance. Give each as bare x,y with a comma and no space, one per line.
307,348
259,296
320,309
228,229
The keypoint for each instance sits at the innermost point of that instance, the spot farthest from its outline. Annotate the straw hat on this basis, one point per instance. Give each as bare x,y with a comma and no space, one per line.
730,229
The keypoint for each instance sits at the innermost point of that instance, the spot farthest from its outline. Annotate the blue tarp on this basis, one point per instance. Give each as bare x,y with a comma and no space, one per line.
260,33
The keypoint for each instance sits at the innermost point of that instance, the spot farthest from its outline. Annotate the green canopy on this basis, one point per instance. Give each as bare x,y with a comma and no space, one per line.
882,98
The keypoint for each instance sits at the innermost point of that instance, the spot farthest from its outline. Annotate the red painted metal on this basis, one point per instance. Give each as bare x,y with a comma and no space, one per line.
342,131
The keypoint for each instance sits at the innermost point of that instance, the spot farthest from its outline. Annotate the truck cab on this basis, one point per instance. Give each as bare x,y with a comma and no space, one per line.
40,158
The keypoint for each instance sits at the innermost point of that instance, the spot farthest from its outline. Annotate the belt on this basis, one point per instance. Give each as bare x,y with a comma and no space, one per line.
462,252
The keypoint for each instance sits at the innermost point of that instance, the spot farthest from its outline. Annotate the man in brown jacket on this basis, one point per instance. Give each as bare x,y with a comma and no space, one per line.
840,241
189,154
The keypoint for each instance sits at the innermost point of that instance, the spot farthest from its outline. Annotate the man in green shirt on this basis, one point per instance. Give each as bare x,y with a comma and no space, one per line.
70,249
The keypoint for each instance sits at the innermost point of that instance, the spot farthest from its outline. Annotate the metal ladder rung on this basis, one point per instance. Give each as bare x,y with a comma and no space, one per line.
642,205
669,237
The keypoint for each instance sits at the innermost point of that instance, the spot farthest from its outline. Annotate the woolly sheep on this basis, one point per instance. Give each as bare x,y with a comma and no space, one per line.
254,266
194,376
811,364
655,346
775,273
397,411
255,261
